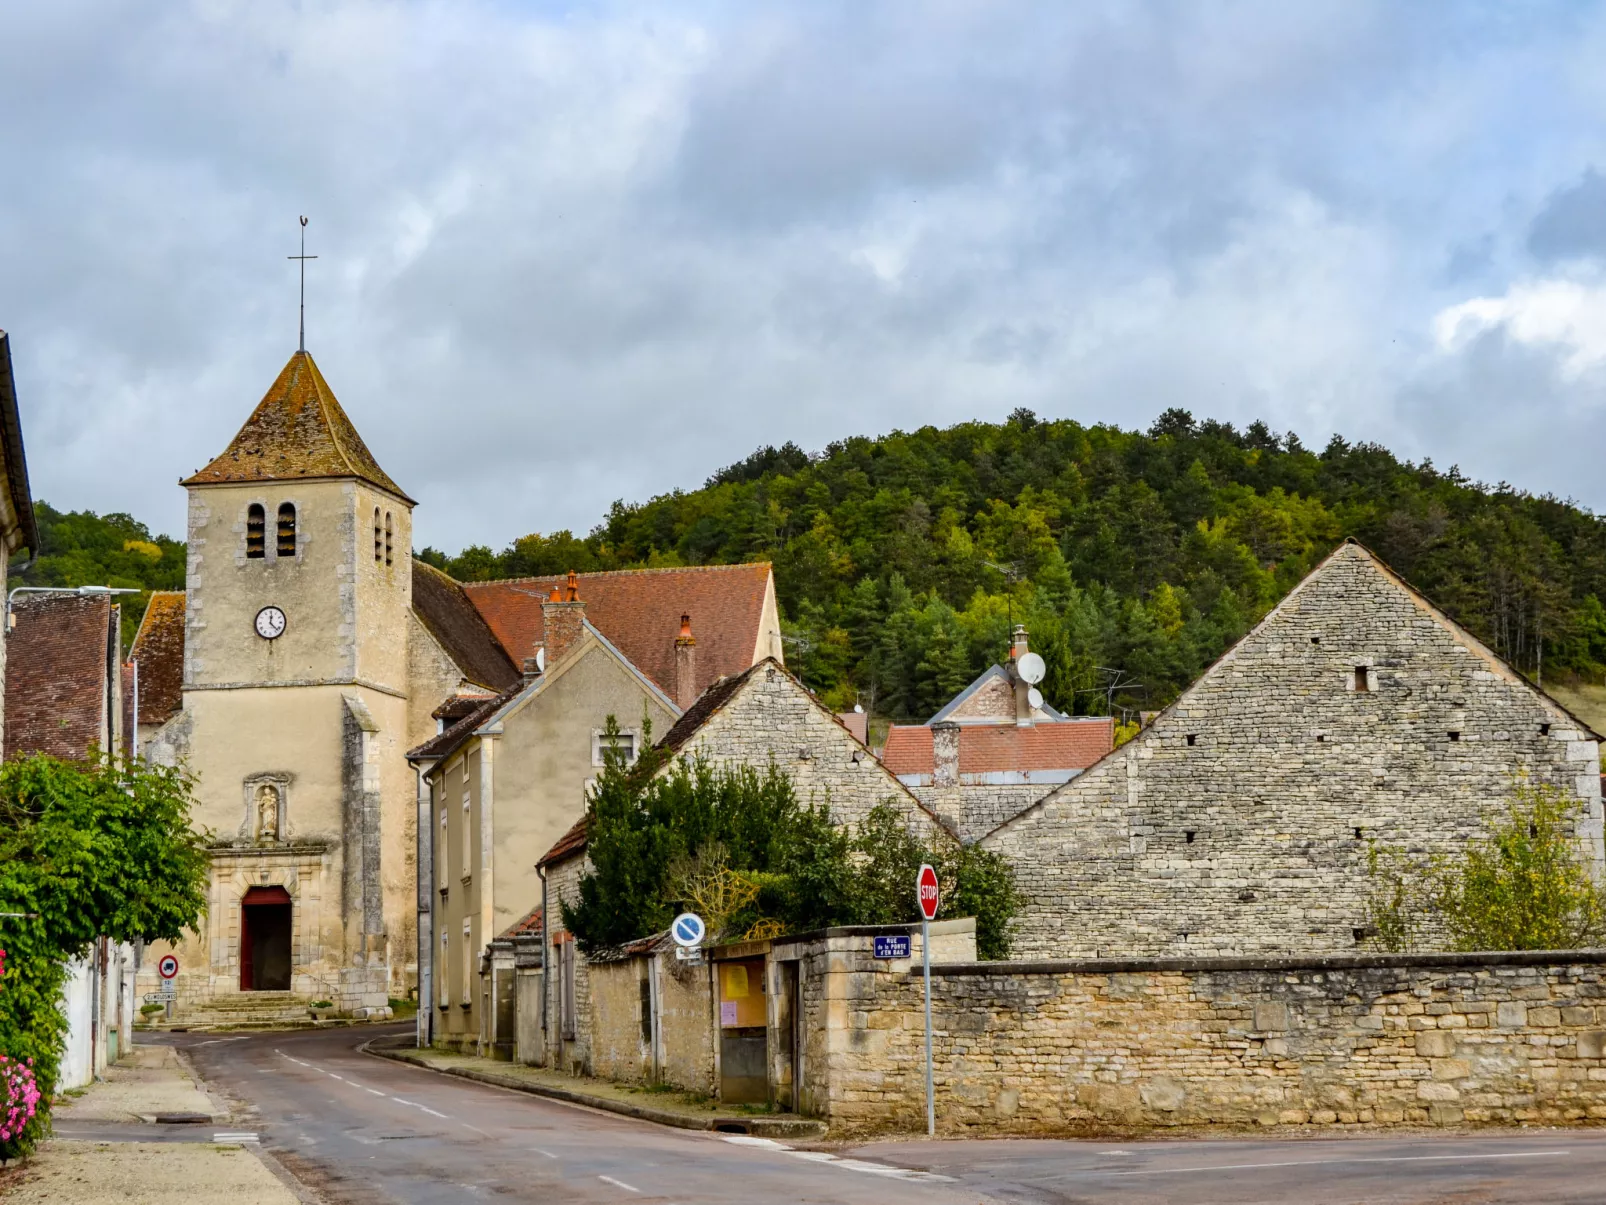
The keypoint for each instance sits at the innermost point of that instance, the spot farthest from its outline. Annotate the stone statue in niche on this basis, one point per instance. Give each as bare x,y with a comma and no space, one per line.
267,812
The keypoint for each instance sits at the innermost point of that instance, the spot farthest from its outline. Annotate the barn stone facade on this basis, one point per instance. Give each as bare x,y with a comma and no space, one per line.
1238,822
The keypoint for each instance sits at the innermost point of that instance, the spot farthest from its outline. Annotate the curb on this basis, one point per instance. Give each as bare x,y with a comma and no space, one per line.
758,1126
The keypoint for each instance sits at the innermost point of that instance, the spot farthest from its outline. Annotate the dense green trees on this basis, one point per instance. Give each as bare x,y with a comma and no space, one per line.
82,548
1135,558
735,845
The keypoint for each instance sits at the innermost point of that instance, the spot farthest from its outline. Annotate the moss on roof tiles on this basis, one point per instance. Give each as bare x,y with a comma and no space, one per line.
298,430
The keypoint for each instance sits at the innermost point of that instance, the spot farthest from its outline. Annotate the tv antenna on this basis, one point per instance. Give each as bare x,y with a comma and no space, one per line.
303,257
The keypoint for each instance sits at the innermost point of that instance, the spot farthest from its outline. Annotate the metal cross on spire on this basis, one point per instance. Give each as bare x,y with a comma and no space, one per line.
303,257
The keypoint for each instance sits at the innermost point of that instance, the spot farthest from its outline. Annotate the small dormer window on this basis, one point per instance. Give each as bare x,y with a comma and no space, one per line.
388,535
256,528
287,529
379,538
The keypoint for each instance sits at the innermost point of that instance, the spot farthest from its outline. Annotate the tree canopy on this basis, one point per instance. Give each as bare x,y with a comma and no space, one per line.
1135,558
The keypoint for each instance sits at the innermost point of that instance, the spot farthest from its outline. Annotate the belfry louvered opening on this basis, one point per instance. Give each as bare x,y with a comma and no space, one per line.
287,529
256,529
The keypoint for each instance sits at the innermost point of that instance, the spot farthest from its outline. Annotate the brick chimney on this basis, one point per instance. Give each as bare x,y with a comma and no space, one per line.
945,754
686,691
563,615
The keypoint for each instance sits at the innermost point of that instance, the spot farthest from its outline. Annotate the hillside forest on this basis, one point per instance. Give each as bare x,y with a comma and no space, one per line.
1133,558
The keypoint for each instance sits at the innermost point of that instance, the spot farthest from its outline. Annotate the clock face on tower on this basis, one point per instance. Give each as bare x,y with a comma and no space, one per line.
270,623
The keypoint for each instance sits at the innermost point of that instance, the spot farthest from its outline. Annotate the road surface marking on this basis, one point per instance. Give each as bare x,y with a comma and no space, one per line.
464,1124
745,1140
852,1165
215,1041
618,1184
539,1151
375,1091
1235,1167
234,1139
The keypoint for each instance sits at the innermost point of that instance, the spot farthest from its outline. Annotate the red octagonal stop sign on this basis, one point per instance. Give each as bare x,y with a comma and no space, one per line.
926,890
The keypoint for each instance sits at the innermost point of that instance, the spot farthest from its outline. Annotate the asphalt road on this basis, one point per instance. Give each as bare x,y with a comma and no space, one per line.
360,1129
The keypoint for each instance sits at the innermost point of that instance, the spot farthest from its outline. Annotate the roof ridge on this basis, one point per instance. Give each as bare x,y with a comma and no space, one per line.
542,577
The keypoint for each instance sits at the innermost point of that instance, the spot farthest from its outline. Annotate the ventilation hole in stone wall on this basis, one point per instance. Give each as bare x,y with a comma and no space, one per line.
1191,737
1362,681
1357,833
1321,738
1544,730
1533,830
1247,897
1189,834
1315,639
1455,736
1361,934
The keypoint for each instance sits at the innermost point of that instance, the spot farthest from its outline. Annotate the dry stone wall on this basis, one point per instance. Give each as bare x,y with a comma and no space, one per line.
1379,1040
1238,821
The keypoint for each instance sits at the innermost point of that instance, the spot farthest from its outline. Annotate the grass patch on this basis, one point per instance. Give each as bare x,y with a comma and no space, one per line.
403,1008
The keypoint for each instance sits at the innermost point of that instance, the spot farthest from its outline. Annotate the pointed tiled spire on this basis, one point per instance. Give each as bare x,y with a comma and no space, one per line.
297,431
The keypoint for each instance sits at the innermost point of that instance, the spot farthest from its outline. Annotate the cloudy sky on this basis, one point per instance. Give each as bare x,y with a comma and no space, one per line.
571,253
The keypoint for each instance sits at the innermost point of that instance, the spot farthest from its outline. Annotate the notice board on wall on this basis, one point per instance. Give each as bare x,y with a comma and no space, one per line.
741,994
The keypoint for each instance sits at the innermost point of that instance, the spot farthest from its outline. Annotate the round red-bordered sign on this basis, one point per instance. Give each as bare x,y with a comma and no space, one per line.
926,891
168,967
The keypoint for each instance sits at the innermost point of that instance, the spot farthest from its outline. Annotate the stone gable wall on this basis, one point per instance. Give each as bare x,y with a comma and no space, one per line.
569,1054
1386,1040
1238,821
976,810
771,717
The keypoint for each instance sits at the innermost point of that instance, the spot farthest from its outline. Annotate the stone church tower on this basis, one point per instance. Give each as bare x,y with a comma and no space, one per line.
295,709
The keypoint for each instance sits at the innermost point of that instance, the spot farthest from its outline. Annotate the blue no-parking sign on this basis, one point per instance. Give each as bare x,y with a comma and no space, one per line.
688,929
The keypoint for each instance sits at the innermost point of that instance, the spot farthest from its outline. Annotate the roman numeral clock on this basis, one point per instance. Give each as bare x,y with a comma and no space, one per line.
270,623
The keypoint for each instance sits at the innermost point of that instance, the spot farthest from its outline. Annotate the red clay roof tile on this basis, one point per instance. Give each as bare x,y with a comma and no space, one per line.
989,748
639,611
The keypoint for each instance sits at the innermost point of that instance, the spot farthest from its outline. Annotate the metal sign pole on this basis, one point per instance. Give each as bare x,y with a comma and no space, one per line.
931,1100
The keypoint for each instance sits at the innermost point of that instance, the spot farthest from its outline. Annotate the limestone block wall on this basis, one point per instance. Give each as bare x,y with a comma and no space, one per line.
772,717
1029,1048
974,810
686,1023
617,1049
567,1053
1238,821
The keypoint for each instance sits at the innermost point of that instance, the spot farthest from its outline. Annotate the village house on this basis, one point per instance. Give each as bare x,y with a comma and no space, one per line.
65,683
995,749
760,717
503,782
308,652
17,527
1238,820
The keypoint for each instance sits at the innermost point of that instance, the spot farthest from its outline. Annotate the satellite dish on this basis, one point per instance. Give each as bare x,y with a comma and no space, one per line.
1031,668
1035,698
540,659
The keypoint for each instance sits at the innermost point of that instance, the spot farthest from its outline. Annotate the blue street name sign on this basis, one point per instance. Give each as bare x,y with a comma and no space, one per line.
892,947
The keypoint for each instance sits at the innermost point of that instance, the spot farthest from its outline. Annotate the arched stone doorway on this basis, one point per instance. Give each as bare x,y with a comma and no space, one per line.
265,919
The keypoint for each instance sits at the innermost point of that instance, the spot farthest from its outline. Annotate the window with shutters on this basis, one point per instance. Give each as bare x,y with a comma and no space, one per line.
465,835
256,530
287,529
379,537
389,533
468,965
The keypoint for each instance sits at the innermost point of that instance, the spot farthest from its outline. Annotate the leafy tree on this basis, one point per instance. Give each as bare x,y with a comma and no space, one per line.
1523,885
87,849
734,844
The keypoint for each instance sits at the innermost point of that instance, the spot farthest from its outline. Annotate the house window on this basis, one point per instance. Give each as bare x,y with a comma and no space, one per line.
256,527
379,538
623,743
388,535
468,965
1363,680
441,854
464,837
443,982
287,529
566,987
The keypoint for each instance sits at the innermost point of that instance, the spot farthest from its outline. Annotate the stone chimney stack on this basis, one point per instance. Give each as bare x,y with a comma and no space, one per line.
563,615
1023,689
686,691
945,754
532,669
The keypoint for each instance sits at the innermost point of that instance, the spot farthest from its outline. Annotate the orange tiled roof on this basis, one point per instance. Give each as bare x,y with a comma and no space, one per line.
298,430
572,842
57,661
990,748
159,650
528,925
639,611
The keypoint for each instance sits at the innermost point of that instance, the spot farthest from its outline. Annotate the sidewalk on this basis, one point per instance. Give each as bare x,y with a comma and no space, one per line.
665,1107
150,1082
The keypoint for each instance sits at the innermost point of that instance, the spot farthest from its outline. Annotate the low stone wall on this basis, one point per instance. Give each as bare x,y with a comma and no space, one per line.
619,1050
686,1023
1342,1040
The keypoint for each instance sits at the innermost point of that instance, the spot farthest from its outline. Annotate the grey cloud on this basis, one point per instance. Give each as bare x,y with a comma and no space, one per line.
1573,222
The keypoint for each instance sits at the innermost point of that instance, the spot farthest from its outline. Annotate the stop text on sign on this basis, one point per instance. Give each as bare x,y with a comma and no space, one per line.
927,893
